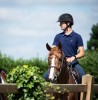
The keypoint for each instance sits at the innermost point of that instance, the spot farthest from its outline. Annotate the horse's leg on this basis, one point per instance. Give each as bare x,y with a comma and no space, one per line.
57,96
4,97
78,96
73,96
64,96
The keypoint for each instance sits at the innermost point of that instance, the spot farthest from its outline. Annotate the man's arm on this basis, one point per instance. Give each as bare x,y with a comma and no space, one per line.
80,54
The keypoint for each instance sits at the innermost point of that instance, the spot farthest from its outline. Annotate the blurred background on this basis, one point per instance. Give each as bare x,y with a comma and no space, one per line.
27,25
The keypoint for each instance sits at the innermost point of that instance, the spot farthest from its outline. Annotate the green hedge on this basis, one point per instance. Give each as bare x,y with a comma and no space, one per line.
8,63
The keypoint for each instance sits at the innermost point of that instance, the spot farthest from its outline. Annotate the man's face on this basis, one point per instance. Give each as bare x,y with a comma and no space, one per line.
63,25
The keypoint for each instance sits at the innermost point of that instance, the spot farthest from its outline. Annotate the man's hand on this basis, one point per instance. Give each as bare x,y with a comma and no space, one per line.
70,59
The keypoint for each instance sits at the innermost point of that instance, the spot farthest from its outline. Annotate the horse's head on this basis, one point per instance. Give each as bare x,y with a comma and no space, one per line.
2,76
55,61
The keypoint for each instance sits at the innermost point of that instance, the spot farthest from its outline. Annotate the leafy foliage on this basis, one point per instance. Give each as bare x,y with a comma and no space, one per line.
90,65
93,42
29,82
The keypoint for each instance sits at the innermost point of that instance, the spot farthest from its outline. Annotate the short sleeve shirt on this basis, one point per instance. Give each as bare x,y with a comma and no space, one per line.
70,43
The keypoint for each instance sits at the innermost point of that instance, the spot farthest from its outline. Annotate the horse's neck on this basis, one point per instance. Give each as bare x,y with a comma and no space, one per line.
64,77
67,77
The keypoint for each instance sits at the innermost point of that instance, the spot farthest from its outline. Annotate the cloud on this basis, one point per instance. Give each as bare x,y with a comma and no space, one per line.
44,2
27,25
11,14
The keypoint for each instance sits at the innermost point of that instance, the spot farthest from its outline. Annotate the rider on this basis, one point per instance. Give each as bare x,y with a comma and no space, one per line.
72,43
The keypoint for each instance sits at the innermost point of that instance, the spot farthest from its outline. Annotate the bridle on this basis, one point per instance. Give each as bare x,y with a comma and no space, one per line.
59,70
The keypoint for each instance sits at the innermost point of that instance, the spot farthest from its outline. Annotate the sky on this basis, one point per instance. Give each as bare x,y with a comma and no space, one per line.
27,25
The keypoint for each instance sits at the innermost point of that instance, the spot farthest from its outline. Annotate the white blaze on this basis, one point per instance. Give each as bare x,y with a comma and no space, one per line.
53,61
51,73
51,76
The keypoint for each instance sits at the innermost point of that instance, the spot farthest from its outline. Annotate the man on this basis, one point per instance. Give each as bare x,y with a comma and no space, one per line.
72,43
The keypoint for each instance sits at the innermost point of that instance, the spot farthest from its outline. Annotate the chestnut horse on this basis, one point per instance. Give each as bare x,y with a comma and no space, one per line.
3,81
59,72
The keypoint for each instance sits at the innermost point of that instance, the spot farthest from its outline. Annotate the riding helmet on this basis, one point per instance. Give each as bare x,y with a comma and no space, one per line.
66,17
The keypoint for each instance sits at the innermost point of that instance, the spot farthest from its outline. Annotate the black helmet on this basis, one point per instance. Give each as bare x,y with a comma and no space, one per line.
66,17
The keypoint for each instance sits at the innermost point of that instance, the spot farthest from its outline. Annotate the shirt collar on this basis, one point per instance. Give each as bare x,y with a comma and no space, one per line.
71,34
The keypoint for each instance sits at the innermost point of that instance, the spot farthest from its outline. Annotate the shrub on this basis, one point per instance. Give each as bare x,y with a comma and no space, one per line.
29,82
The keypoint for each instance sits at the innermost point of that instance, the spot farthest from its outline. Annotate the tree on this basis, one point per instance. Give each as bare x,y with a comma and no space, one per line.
93,42
90,64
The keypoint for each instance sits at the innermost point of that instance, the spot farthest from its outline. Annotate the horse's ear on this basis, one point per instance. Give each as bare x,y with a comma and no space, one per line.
48,46
60,45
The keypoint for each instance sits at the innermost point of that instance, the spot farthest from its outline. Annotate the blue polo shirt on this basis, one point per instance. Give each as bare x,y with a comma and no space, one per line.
70,43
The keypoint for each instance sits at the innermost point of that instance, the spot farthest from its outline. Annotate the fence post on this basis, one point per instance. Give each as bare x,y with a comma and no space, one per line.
89,80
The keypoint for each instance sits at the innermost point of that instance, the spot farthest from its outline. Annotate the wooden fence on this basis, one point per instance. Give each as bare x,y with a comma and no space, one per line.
87,88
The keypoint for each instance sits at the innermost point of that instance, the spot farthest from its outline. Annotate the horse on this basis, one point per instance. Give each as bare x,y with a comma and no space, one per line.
59,72
3,75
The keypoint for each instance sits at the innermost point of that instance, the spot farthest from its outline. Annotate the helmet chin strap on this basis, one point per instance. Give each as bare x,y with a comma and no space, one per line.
67,25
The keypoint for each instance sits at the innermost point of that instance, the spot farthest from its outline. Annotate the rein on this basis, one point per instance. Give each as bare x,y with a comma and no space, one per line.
70,68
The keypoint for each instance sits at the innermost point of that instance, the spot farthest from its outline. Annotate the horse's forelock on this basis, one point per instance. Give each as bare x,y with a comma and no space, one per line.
54,51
